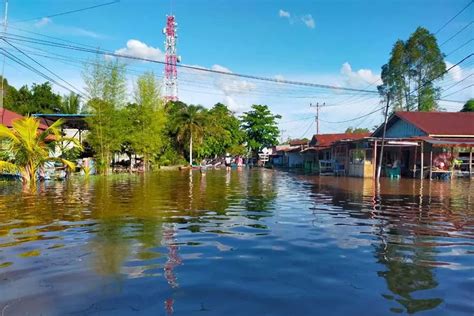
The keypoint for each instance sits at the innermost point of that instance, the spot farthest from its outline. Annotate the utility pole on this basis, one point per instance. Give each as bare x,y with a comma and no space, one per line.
282,133
317,106
379,167
5,22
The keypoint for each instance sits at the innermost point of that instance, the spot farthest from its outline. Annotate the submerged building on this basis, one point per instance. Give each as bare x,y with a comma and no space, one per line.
416,144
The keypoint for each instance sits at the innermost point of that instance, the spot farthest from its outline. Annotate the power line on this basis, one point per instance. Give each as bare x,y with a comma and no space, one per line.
453,101
356,118
307,130
457,33
48,36
457,14
453,85
68,12
458,48
447,95
109,53
440,75
44,67
29,67
302,119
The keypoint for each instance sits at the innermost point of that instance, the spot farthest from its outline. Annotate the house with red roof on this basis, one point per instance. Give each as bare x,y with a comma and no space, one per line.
320,155
427,144
7,117
417,144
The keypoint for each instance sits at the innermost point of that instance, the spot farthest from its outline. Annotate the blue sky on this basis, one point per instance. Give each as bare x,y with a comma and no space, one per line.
340,43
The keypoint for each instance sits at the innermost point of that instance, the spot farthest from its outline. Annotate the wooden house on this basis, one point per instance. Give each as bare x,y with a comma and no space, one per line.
427,144
323,157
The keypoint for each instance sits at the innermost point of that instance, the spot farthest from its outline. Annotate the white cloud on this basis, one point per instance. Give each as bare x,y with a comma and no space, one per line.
284,14
43,22
308,21
66,30
232,87
279,77
456,73
139,49
220,68
359,78
83,32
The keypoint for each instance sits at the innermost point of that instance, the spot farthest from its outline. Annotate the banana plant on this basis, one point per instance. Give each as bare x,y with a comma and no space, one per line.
30,148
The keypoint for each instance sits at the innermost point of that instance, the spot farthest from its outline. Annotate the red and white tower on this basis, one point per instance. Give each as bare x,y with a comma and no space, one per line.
171,58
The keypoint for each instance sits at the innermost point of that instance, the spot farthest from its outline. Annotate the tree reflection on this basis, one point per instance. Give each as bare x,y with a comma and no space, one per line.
261,193
406,276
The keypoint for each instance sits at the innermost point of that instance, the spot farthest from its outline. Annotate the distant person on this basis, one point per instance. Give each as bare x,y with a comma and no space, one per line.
228,161
203,167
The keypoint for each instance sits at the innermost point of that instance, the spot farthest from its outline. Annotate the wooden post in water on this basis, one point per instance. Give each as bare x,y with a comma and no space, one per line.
470,163
414,161
431,163
421,161
379,167
374,160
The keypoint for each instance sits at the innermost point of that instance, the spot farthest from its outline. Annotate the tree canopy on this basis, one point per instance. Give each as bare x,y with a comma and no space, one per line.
468,106
156,131
413,69
260,127
357,130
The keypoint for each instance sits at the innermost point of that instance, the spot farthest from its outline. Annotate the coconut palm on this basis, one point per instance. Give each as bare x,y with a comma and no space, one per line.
189,125
29,148
70,104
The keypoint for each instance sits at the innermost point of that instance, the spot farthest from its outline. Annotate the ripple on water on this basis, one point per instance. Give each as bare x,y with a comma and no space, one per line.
248,242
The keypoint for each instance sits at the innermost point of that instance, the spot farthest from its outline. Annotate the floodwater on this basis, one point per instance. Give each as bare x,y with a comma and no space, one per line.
250,242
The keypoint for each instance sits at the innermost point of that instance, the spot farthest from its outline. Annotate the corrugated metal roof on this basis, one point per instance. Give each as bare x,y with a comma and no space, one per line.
441,123
7,117
325,140
449,142
297,142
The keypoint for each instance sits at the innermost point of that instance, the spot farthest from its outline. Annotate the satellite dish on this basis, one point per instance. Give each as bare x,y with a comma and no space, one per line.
178,59
164,30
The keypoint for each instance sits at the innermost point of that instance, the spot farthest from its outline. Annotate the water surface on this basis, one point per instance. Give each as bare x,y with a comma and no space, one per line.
251,242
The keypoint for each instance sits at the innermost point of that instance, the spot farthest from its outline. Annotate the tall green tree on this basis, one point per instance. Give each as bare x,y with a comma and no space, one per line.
9,96
260,127
148,118
39,99
410,75
222,133
106,85
468,106
188,125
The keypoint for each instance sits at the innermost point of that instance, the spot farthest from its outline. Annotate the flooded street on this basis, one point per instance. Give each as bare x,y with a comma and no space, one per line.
250,242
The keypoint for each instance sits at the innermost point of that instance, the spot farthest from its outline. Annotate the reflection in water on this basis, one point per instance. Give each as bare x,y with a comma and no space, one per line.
241,242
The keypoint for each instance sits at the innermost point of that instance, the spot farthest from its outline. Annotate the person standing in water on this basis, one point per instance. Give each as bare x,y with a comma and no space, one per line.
228,161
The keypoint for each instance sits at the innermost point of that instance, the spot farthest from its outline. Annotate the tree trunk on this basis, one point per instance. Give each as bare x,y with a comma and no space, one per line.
191,149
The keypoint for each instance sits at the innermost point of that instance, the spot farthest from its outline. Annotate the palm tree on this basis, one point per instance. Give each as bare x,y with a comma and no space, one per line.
189,124
70,104
29,148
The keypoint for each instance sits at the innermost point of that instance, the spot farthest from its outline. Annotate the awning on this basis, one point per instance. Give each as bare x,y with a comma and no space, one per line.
450,142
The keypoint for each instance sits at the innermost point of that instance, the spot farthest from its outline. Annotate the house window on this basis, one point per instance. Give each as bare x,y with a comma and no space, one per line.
357,156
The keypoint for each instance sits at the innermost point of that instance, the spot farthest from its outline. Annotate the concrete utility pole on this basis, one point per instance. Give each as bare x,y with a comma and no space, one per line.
317,106
379,167
5,22
282,133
